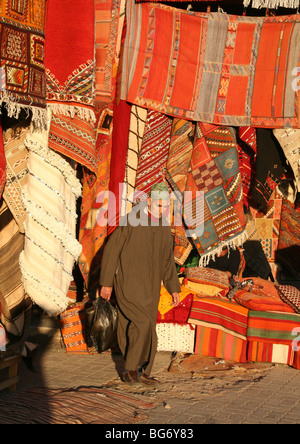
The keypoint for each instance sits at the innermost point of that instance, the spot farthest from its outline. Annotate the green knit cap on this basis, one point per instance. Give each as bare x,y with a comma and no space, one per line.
160,191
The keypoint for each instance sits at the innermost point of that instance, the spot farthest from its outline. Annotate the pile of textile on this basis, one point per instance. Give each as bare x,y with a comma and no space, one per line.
95,109
254,320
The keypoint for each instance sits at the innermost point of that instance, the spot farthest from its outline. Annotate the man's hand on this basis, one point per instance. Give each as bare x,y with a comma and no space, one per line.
176,299
105,293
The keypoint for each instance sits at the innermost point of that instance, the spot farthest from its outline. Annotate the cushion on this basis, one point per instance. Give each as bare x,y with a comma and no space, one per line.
210,281
262,297
175,315
290,295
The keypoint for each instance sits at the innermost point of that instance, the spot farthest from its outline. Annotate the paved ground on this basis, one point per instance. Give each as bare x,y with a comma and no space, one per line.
257,394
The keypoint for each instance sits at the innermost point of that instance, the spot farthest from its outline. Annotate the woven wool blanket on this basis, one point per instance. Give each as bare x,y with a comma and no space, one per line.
22,71
51,248
213,67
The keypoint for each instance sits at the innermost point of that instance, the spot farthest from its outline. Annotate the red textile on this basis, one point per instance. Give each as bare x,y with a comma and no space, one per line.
118,159
2,163
69,53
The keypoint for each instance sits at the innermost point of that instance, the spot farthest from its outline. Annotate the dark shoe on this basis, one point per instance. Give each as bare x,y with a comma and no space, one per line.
146,380
131,378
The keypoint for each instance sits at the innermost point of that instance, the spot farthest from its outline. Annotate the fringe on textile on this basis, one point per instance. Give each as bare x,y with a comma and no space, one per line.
72,111
272,4
237,241
14,108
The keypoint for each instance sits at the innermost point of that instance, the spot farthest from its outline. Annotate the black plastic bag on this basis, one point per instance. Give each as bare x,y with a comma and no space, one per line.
102,318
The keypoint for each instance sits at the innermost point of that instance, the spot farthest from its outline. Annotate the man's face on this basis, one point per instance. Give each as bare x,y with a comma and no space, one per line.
158,207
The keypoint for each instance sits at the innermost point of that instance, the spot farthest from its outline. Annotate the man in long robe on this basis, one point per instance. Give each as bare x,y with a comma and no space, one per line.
137,259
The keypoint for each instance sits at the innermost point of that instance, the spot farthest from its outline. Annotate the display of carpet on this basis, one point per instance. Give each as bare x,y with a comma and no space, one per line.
240,72
22,70
51,247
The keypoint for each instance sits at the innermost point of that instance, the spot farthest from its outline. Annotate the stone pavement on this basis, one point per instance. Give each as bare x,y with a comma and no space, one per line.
257,394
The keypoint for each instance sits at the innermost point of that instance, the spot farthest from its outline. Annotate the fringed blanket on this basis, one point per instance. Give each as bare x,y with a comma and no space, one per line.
2,163
211,166
70,73
70,85
22,71
51,247
15,303
213,67
17,172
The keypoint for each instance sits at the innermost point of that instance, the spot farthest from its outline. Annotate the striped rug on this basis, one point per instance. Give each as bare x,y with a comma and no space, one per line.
82,405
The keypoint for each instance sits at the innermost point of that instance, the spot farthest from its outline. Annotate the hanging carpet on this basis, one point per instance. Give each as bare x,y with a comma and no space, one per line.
51,248
212,67
289,140
137,124
247,150
22,70
70,87
216,218
94,208
154,152
17,172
